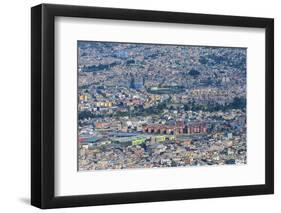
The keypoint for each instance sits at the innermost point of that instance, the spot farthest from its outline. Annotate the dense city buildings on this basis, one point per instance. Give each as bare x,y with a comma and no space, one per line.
155,105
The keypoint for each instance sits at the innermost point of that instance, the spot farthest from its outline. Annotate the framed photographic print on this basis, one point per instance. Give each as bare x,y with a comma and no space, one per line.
139,106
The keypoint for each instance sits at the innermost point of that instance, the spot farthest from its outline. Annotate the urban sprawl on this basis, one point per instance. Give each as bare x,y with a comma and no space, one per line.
154,105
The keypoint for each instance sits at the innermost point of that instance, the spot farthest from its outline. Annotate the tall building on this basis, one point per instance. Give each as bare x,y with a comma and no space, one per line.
137,83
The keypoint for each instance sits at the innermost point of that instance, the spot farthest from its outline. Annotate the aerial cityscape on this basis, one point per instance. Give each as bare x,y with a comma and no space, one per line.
160,105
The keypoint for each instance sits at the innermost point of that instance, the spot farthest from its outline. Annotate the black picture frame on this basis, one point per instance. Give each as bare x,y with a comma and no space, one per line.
43,105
